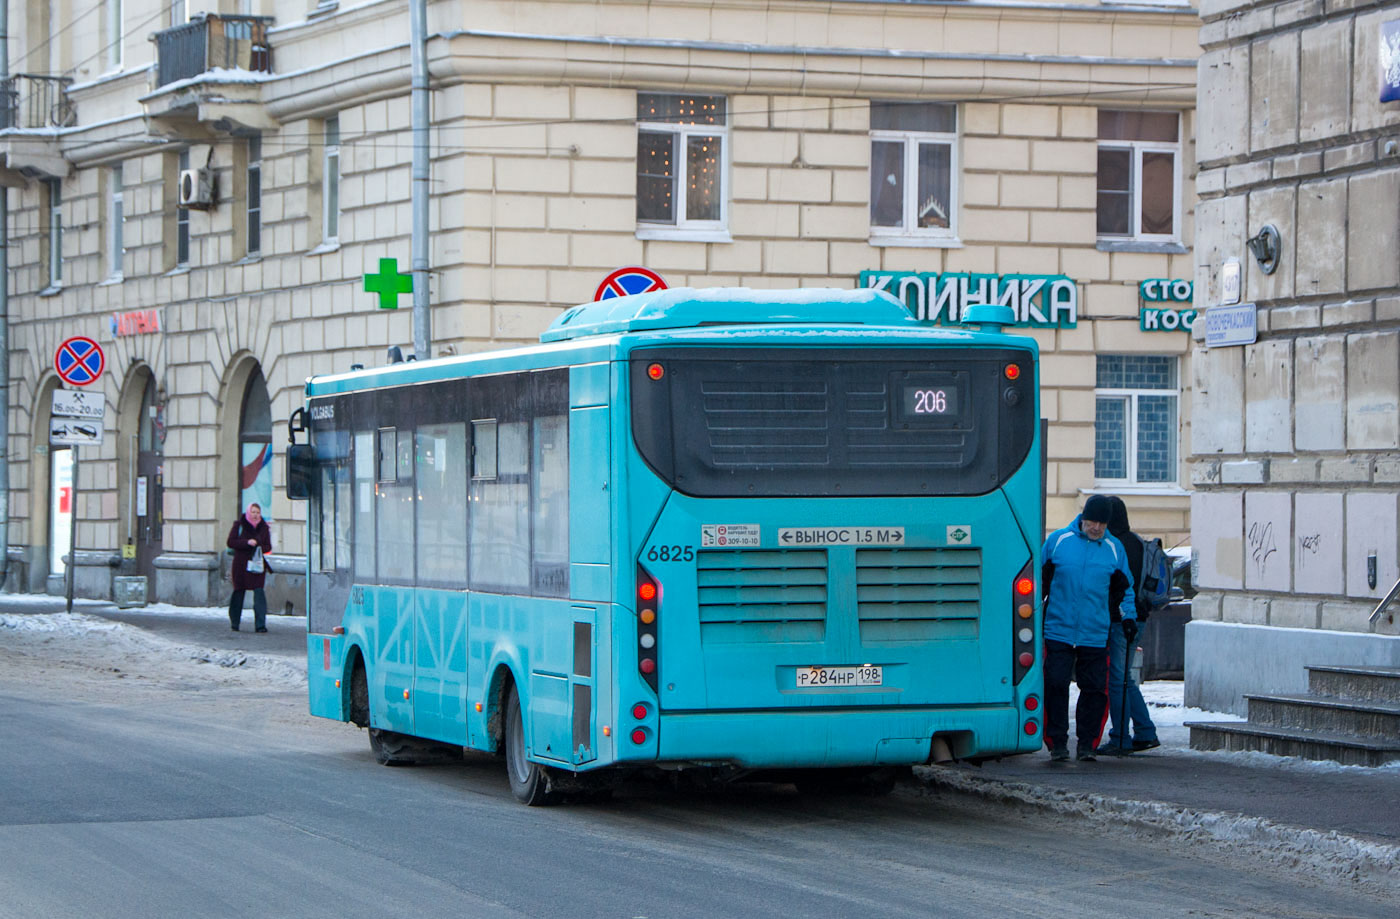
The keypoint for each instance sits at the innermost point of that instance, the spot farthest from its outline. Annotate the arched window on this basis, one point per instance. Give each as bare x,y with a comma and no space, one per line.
255,445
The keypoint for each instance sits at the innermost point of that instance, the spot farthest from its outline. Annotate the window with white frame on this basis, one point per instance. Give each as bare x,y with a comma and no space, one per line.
1135,419
116,247
254,187
1139,178
330,181
114,34
182,221
54,193
682,162
178,15
913,166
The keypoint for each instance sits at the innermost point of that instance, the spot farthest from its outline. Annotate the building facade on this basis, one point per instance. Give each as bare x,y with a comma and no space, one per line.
206,205
1296,441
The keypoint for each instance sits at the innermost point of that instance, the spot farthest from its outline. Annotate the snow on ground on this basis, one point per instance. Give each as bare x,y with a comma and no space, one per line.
141,650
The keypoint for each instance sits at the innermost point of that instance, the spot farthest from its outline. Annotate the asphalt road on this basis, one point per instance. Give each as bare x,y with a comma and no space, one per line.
147,794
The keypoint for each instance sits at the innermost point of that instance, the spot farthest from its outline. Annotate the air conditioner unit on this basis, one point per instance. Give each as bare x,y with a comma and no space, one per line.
197,187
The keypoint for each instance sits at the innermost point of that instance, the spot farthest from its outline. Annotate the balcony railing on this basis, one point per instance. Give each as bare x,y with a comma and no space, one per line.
210,41
28,100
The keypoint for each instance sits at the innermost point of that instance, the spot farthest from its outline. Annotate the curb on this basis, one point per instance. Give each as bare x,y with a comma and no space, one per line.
1327,855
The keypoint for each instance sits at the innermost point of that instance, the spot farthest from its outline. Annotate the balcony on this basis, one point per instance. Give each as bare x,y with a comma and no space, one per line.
209,42
207,76
32,107
30,101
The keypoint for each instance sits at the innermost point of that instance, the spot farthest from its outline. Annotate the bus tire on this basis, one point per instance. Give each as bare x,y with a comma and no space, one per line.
529,782
392,749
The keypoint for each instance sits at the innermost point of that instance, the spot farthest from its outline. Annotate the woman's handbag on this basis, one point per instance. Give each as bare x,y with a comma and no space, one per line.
255,564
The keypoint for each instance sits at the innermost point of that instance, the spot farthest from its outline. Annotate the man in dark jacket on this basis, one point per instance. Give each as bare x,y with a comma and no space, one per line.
1143,734
1082,567
250,541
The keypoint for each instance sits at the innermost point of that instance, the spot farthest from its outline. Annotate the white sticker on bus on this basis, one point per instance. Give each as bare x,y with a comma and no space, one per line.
729,534
959,535
841,536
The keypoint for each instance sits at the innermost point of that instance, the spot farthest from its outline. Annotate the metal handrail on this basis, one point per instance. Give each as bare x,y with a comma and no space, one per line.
32,100
1394,591
209,41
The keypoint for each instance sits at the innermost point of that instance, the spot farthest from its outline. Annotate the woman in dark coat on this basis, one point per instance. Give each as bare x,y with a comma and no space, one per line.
249,534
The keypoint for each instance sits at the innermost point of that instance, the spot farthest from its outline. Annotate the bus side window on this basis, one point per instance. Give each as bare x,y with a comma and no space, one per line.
363,499
394,507
441,453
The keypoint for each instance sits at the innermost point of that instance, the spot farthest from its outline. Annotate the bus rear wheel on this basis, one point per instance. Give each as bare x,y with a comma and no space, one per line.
529,782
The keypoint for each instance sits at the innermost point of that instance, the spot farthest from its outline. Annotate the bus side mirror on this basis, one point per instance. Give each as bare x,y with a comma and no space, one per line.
301,469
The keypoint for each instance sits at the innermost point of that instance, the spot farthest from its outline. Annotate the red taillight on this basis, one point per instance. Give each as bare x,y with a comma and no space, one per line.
639,736
1032,703
648,607
1023,623
1012,372
1024,586
639,711
1026,659
1031,728
656,371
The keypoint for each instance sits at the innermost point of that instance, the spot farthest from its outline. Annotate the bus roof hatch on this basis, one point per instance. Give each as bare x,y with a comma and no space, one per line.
685,307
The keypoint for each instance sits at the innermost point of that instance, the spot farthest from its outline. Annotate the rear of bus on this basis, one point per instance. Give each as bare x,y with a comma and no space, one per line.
833,535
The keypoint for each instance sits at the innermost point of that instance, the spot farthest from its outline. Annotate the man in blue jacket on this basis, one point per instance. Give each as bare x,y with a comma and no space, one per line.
1084,572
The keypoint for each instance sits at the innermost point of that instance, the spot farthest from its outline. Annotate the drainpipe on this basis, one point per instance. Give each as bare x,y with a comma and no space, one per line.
5,317
422,319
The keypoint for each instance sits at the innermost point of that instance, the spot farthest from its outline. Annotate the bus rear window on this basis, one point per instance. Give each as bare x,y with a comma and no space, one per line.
732,423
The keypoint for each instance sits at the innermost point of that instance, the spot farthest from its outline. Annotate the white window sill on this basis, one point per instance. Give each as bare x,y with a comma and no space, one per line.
112,280
918,242
178,269
1163,490
250,259
684,236
330,245
52,290
1156,247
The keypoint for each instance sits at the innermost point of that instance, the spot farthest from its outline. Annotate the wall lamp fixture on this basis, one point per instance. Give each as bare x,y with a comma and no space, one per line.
1264,246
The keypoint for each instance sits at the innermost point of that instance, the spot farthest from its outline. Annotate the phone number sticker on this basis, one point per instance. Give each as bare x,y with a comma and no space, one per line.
729,534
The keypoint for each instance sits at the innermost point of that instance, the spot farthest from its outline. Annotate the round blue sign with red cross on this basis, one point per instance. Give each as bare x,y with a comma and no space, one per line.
79,361
627,281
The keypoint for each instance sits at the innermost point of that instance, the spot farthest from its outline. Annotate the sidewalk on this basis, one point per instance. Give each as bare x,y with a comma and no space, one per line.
1338,820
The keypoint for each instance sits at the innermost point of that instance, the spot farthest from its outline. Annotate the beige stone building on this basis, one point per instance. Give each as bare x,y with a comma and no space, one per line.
1037,154
1296,437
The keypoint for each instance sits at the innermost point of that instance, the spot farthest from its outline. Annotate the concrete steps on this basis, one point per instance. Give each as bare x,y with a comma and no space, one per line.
1350,715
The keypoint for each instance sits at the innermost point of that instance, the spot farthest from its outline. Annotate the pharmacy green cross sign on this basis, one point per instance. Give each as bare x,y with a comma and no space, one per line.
389,283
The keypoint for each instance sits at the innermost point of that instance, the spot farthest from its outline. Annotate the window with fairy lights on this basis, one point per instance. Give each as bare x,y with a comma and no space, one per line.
682,163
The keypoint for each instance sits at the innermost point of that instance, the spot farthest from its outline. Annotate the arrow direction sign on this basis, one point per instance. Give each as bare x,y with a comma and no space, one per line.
70,403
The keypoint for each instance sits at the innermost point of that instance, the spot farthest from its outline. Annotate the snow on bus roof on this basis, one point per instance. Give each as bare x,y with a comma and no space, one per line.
686,307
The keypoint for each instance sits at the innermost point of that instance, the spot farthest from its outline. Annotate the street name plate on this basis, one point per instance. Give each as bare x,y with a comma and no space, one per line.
1231,325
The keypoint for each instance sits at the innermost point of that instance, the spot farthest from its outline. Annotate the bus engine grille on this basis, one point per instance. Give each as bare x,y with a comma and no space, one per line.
762,595
917,594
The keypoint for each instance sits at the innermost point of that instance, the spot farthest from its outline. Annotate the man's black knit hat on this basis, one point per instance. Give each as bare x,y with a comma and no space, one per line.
1098,509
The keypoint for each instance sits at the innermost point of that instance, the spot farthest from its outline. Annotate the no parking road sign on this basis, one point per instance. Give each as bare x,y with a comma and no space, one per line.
79,361
627,281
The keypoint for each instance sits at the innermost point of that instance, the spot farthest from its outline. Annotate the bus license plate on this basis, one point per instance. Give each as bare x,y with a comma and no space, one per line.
837,677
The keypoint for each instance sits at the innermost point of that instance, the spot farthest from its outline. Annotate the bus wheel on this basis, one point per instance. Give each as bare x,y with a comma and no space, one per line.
529,782
392,749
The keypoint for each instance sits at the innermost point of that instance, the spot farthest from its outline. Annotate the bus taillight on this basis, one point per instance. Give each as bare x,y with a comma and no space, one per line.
1022,624
648,602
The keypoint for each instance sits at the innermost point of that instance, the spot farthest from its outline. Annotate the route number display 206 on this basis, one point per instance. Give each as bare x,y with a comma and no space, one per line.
930,400
837,677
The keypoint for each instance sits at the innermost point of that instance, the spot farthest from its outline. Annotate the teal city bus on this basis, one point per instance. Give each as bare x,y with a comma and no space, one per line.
757,533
